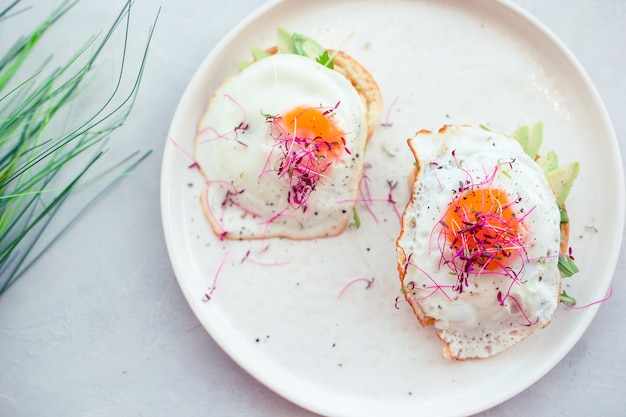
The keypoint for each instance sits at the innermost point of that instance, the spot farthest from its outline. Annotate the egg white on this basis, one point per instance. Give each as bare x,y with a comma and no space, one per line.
234,151
473,323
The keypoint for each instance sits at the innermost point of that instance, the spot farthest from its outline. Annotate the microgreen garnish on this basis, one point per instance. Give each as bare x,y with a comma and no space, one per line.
229,200
369,282
502,299
233,134
297,44
365,196
571,302
503,171
209,294
392,186
193,164
567,265
268,116
303,45
248,258
365,191
325,60
36,161
411,289
565,298
398,302
355,216
479,232
264,263
303,155
387,122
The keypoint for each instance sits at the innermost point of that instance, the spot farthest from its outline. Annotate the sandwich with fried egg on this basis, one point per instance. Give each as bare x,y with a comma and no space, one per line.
484,237
281,144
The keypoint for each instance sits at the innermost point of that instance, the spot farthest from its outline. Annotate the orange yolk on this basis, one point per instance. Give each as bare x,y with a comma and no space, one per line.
315,130
481,224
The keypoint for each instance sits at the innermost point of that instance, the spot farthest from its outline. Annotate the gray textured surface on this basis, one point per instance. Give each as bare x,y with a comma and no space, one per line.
99,327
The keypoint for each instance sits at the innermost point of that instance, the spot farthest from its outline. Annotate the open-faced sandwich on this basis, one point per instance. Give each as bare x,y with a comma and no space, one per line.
282,142
484,237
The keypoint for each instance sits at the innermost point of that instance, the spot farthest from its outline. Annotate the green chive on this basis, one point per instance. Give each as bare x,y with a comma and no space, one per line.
39,169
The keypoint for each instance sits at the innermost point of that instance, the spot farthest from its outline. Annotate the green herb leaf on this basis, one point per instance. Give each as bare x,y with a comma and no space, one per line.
564,297
355,216
567,266
298,44
325,60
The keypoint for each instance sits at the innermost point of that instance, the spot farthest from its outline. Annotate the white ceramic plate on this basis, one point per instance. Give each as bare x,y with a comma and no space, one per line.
437,62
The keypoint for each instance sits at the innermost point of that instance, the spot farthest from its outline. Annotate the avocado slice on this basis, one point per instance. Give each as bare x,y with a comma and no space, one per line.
562,179
530,137
548,162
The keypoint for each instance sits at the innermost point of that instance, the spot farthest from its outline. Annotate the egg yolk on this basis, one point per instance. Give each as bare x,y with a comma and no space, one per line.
309,141
481,229
315,130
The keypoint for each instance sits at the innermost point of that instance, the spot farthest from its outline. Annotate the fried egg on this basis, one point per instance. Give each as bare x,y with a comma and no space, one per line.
281,147
478,251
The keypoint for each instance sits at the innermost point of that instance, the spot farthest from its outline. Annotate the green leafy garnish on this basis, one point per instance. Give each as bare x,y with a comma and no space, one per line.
297,44
357,219
564,297
305,46
41,168
567,266
564,216
325,60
